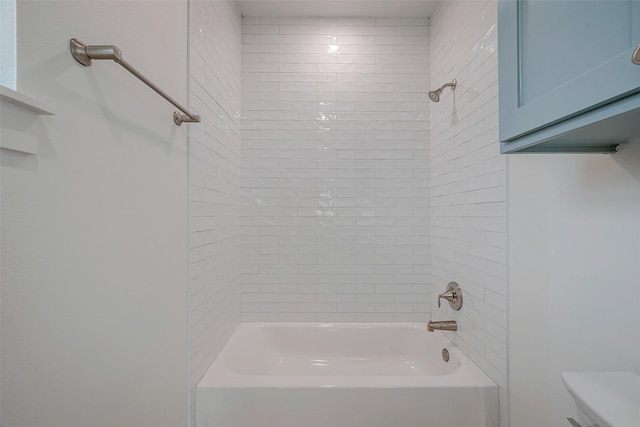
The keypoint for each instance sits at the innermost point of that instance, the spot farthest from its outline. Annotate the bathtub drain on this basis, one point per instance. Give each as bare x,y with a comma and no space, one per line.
445,354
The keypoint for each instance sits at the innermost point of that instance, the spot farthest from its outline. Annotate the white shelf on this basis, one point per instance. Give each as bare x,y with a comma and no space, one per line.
17,139
24,101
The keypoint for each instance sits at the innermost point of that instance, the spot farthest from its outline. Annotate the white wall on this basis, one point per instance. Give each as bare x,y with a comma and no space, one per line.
214,181
94,227
574,251
468,184
335,169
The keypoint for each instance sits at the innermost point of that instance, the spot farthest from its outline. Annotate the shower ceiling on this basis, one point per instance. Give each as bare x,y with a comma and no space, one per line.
330,8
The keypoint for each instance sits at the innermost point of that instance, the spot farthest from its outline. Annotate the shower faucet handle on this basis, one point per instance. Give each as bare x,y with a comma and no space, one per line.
446,295
453,294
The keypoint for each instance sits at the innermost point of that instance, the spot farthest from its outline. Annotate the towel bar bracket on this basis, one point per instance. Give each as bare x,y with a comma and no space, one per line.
183,118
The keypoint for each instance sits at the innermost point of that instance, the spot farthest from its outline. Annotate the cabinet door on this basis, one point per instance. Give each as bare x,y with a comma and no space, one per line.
562,58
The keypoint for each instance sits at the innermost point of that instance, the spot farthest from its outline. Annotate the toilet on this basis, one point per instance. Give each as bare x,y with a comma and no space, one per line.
605,399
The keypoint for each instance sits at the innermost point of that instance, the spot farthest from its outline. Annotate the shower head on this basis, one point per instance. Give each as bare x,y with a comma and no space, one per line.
434,95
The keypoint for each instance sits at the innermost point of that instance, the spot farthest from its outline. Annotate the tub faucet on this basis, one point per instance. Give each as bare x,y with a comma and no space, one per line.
444,325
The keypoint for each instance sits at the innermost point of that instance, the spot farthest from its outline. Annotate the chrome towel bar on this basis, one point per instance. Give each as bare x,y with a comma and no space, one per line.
84,54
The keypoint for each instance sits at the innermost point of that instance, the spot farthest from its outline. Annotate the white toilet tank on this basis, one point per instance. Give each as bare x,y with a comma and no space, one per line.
605,399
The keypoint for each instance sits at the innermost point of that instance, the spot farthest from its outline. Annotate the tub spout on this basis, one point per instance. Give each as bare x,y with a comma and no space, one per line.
444,325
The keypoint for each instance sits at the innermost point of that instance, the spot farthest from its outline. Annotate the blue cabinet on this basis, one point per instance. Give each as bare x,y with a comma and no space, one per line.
566,76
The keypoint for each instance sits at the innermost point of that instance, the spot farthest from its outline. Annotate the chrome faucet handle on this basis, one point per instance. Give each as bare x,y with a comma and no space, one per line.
453,294
448,295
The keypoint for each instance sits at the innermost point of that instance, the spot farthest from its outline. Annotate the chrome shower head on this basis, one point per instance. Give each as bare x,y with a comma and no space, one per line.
434,95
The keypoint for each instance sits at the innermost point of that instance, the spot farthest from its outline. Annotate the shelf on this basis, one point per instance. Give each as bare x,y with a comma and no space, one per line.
24,101
14,136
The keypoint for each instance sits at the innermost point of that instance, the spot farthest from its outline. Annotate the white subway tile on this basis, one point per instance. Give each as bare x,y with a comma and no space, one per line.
355,22
318,21
376,30
340,198
375,317
215,226
356,59
395,21
318,39
317,77
277,20
299,29
336,30
278,39
468,180
360,78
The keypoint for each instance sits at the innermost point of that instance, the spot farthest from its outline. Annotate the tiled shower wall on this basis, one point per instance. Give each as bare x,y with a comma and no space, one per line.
468,177
335,216
214,181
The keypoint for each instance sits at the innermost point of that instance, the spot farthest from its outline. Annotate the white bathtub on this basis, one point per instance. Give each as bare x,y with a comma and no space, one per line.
343,375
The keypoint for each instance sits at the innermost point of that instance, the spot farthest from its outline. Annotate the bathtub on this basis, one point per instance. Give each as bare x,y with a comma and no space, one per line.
343,375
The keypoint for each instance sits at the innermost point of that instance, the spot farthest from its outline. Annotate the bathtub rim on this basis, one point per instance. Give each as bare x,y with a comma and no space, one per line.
218,375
